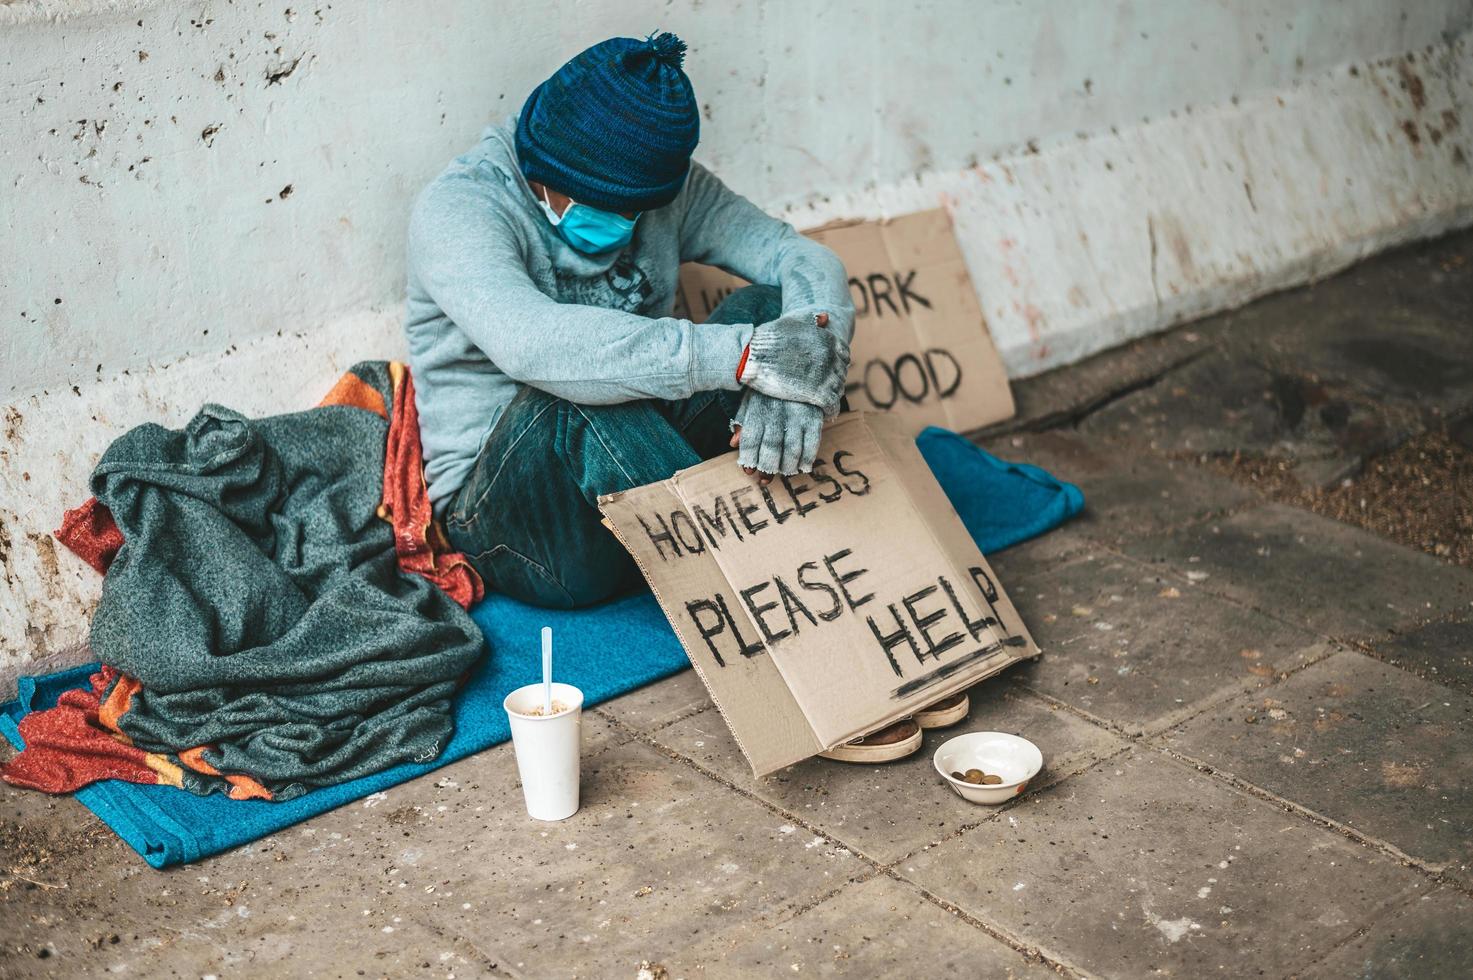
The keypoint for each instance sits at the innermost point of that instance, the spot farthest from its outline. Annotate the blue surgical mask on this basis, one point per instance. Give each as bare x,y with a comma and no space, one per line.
587,229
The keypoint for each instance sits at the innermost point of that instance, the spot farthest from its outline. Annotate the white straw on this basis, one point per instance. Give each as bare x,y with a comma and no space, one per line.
547,669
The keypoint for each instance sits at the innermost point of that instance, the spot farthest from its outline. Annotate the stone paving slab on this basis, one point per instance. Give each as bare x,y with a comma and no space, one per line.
67,887
1408,357
1227,403
1146,867
1140,649
656,705
1430,936
237,941
659,859
888,811
1407,304
1061,396
1441,652
1312,571
1033,560
876,928
263,910
1397,326
256,905
1365,744
1460,431
1126,492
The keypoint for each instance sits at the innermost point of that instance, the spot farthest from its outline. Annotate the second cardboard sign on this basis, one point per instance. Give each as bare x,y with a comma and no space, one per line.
921,347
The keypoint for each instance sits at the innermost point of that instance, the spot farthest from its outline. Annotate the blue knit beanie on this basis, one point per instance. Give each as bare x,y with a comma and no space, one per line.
613,128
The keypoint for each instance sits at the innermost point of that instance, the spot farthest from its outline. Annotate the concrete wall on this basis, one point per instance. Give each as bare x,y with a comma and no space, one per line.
206,200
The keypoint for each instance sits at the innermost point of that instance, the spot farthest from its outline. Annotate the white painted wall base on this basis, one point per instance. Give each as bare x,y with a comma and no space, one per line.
1100,229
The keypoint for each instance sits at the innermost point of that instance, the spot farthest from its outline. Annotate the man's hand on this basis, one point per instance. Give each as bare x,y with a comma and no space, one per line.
796,358
775,436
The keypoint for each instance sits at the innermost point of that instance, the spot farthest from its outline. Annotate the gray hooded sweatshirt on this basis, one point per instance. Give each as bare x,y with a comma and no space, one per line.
497,299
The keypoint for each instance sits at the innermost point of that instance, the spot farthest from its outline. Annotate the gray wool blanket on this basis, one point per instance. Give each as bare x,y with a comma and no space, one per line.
259,606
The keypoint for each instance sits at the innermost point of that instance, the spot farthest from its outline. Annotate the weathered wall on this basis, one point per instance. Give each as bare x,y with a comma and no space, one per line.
206,200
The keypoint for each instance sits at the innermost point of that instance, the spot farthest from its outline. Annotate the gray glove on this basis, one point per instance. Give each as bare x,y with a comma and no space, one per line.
777,436
794,359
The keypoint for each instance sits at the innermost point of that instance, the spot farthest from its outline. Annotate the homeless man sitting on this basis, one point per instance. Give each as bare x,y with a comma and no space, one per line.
542,273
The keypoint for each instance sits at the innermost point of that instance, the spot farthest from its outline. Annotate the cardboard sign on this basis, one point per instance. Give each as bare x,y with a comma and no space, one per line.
921,345
825,605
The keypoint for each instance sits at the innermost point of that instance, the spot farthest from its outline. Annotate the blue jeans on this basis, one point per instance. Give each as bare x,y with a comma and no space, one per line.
527,516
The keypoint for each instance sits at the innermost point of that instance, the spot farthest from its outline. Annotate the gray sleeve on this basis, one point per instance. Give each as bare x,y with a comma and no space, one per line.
724,229
467,257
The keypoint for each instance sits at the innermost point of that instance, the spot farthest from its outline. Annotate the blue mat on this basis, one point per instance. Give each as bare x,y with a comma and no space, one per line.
605,650
1001,503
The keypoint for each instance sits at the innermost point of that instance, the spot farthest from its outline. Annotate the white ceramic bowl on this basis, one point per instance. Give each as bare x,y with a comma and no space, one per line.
1012,757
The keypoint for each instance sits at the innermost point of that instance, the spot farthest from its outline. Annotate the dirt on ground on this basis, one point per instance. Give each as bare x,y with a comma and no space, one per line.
1419,494
31,854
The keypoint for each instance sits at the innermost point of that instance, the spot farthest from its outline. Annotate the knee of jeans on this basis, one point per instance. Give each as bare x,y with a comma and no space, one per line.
626,421
631,437
750,304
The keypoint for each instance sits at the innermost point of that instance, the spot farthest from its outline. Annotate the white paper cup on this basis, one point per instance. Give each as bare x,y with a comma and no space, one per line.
548,749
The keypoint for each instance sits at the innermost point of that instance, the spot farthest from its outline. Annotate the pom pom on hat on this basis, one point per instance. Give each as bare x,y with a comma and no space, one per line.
668,48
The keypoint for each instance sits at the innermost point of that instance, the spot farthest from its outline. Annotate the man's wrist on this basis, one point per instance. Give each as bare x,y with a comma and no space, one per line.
716,347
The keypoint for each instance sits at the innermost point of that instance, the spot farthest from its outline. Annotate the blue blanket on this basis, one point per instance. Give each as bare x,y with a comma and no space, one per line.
605,650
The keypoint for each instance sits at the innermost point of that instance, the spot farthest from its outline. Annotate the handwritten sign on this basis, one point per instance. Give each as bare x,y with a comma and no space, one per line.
921,345
827,604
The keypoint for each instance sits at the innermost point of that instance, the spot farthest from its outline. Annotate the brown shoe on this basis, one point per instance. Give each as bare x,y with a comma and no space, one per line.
886,745
947,711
